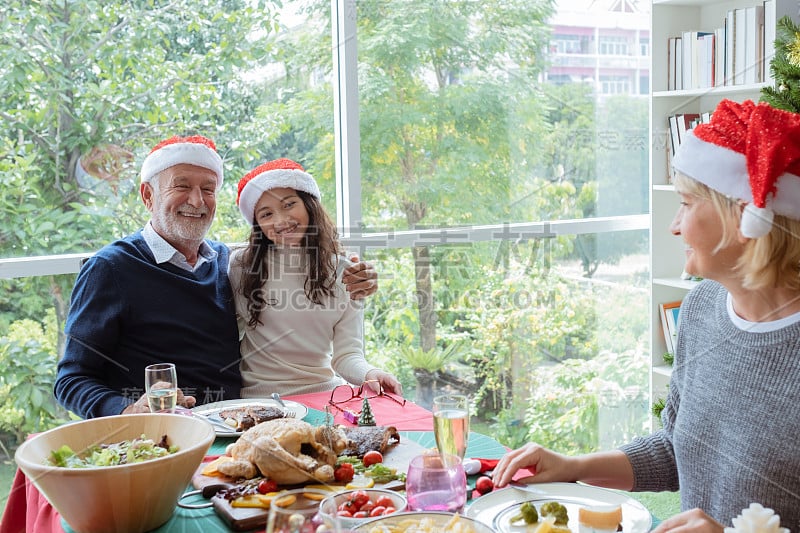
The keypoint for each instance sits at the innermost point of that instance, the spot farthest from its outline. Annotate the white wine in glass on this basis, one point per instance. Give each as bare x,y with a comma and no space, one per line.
161,387
451,423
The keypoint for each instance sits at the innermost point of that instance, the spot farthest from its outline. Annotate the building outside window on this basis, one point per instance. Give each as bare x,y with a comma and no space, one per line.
612,45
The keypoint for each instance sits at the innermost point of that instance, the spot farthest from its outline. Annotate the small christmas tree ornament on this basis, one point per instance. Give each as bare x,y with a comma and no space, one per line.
366,418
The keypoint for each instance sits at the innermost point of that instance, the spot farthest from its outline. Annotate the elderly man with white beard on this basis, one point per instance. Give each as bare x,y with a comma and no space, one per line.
161,294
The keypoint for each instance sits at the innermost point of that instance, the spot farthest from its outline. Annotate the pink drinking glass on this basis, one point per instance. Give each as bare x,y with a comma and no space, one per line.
436,482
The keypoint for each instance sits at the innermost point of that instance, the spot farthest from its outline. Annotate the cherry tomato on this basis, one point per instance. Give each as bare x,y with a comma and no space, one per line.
484,485
267,485
368,507
389,510
378,511
344,473
346,514
361,514
359,497
348,506
372,457
384,501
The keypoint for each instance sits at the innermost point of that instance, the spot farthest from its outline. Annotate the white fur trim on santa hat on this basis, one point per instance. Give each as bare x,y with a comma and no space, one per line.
274,179
720,168
725,171
189,153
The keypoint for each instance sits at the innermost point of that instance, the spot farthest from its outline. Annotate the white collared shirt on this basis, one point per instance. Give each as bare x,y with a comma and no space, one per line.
164,252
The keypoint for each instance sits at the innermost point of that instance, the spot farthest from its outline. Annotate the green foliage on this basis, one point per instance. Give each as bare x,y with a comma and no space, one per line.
568,398
433,359
785,67
657,407
28,363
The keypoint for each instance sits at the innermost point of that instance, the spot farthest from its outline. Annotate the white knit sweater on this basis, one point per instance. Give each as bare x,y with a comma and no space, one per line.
300,347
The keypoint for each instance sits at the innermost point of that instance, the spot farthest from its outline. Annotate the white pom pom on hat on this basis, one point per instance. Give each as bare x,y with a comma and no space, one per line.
749,152
193,150
275,174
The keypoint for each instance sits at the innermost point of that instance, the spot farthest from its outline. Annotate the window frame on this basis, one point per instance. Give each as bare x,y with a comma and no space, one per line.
348,184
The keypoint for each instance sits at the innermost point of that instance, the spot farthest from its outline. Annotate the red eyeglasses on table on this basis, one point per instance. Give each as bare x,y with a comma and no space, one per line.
348,400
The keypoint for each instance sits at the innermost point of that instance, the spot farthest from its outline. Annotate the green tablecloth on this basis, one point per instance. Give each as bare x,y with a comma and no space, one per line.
207,521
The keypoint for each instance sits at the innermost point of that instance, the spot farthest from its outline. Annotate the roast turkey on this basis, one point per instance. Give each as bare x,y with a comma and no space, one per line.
287,450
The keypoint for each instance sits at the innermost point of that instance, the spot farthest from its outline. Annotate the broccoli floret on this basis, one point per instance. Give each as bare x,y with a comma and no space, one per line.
556,510
527,512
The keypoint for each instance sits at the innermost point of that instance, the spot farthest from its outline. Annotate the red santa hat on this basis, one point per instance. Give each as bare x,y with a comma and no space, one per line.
749,152
272,175
194,150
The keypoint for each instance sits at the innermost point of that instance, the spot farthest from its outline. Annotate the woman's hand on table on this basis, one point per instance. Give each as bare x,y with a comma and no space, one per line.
141,405
547,465
387,381
695,521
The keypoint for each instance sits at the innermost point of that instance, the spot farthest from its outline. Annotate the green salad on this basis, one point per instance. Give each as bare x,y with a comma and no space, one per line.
121,453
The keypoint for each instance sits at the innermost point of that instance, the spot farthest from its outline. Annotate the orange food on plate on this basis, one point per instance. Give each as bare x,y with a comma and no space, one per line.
211,468
605,518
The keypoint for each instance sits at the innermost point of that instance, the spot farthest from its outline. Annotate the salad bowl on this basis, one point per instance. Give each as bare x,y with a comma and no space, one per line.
133,497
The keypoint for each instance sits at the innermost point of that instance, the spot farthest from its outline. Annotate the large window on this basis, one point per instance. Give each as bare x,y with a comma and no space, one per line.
566,44
506,216
615,45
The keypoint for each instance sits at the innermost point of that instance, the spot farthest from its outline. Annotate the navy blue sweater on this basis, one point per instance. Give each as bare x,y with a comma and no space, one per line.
127,312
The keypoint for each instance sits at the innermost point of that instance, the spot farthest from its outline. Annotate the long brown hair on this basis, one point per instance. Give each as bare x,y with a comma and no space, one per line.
322,246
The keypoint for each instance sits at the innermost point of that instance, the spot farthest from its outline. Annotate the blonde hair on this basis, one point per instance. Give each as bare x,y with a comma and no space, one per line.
767,262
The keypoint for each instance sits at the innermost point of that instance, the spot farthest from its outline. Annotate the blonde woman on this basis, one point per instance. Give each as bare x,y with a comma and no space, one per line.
731,421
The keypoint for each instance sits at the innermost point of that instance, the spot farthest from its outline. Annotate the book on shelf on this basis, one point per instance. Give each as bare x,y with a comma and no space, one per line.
753,43
672,50
670,321
739,44
686,121
674,138
730,25
770,23
737,52
688,64
719,57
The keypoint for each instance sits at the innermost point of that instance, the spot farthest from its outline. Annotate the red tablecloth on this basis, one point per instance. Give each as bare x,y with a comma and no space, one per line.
410,417
28,511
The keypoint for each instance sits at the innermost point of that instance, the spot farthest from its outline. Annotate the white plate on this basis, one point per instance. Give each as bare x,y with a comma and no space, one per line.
496,508
298,409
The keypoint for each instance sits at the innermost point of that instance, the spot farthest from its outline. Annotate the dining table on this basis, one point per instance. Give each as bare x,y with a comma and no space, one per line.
27,510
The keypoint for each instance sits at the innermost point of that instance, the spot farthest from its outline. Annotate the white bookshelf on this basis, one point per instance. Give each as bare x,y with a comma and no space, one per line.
667,252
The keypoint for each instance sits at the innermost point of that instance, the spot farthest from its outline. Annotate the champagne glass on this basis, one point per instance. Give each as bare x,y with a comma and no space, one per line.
298,511
451,423
161,387
436,482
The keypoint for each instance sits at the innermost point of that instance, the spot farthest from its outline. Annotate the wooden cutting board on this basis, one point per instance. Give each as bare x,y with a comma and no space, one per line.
244,519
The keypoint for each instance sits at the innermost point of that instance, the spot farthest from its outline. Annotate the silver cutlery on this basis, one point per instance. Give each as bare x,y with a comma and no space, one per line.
219,423
527,488
277,398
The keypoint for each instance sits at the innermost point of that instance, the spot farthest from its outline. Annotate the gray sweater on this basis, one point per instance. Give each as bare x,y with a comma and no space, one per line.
731,425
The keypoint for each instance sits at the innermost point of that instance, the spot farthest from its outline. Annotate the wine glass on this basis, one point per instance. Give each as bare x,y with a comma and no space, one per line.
161,387
436,482
298,511
451,423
